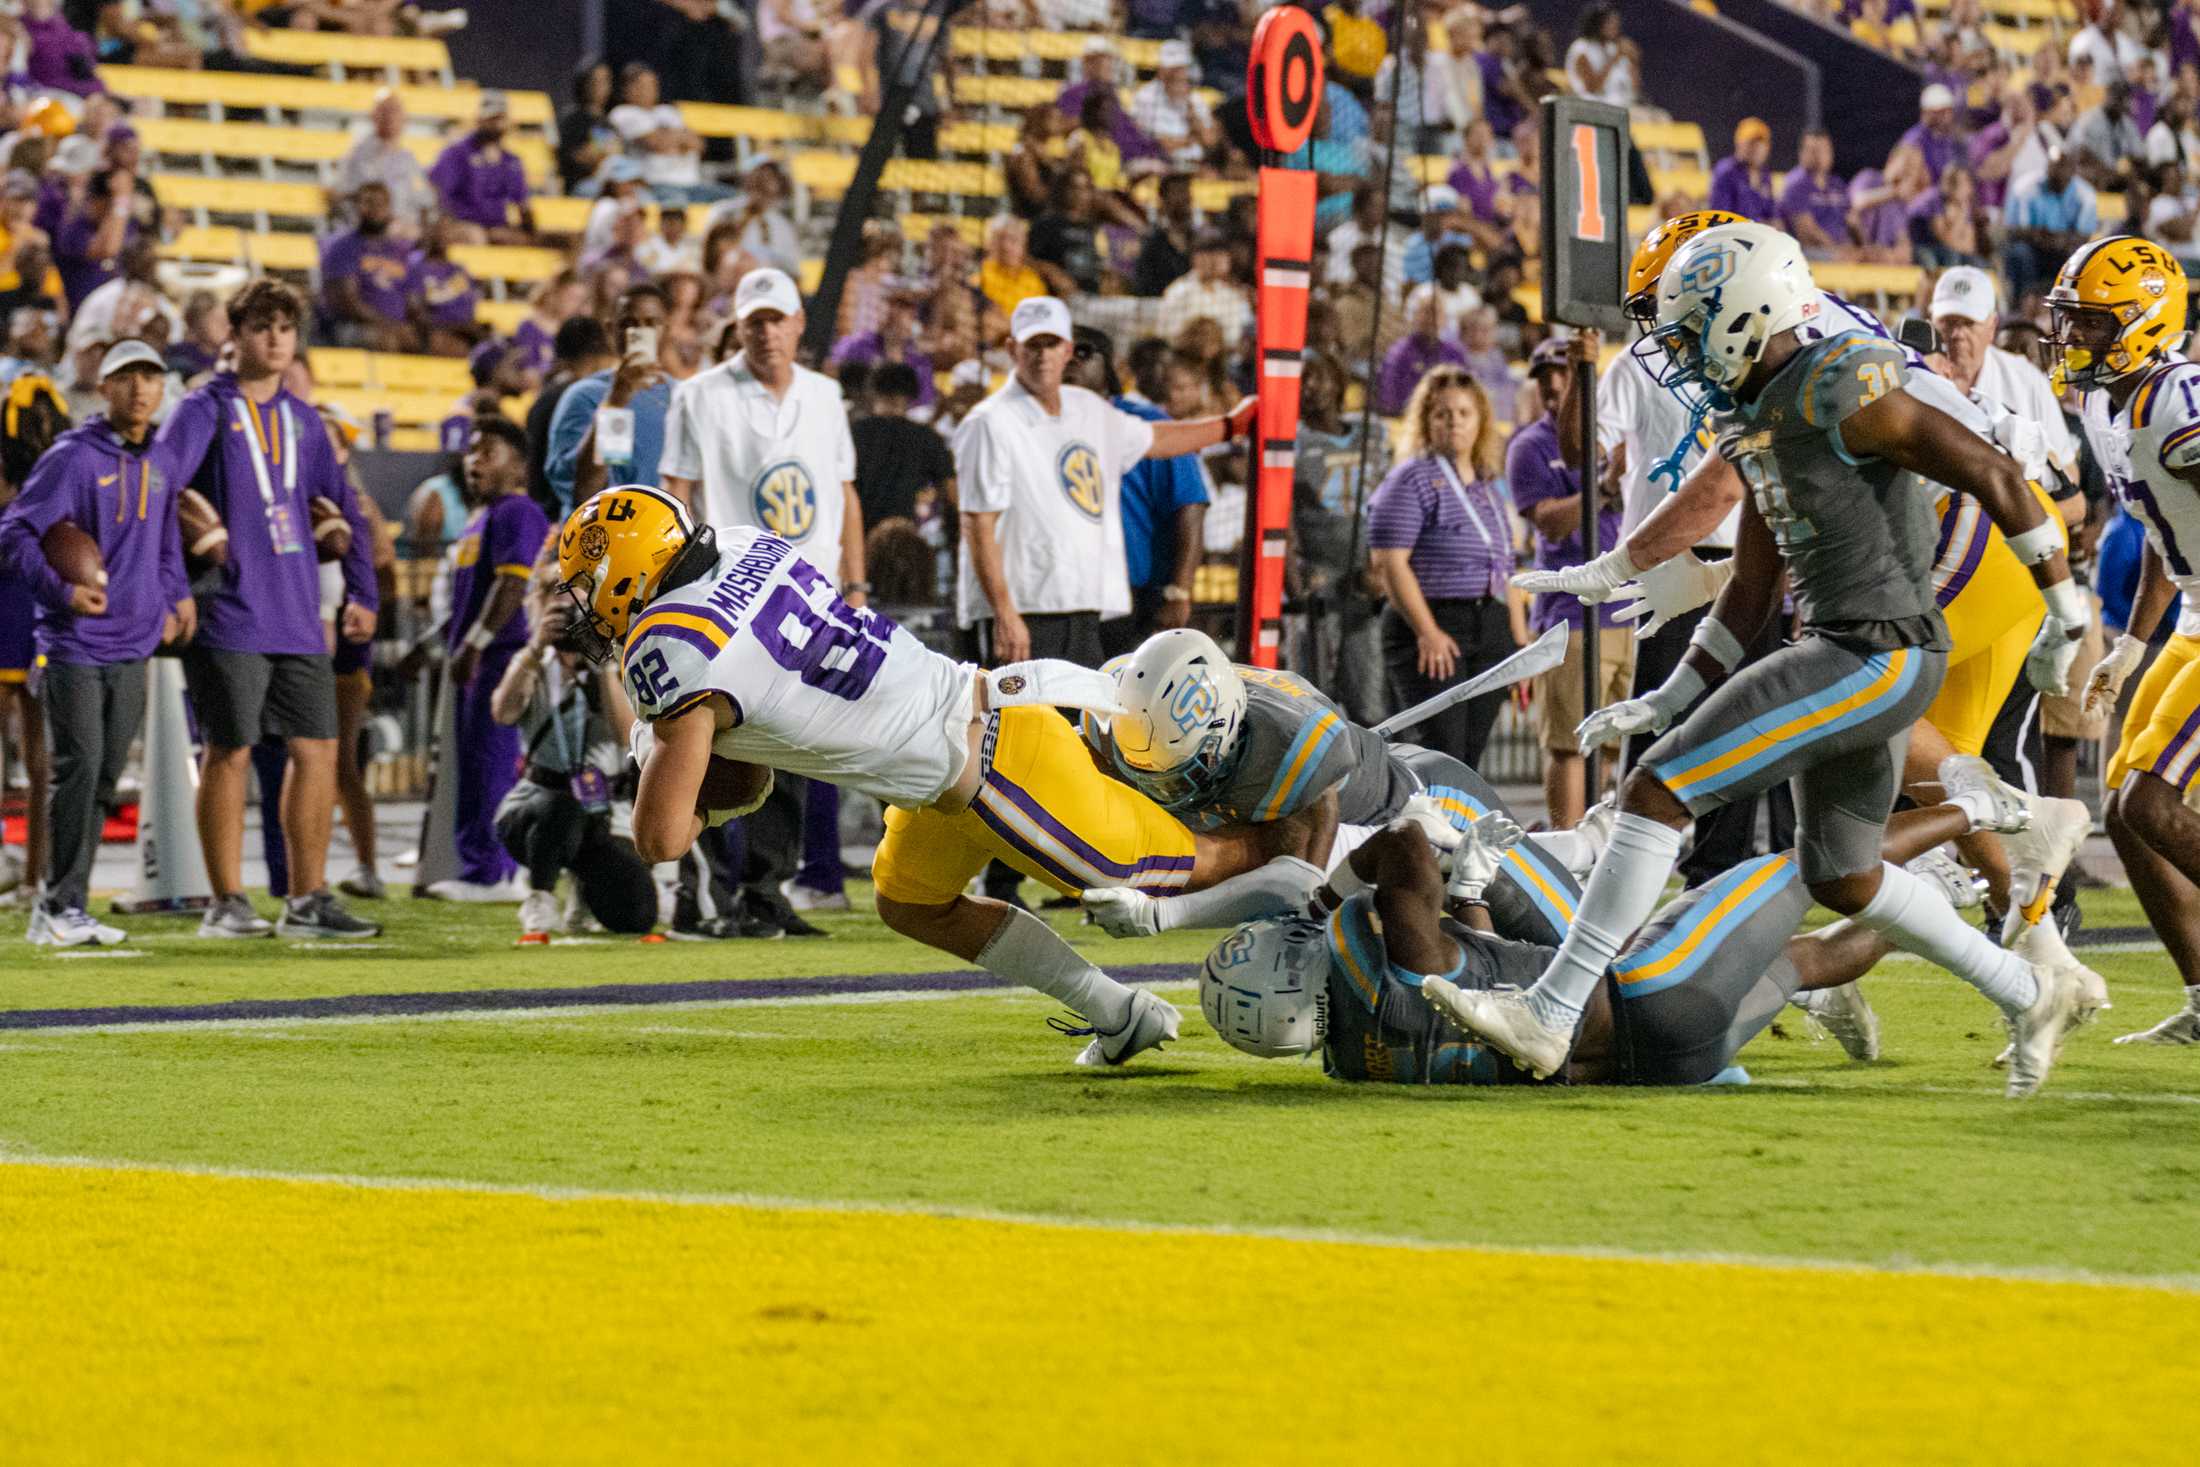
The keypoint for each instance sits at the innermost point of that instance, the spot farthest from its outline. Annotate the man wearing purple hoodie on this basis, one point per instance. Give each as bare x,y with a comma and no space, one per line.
260,666
106,479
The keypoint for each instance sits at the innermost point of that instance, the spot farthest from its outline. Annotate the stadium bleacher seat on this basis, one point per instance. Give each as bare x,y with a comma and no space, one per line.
341,53
338,366
263,201
1671,145
222,92
764,125
502,317
317,149
561,215
210,244
1883,286
498,267
283,254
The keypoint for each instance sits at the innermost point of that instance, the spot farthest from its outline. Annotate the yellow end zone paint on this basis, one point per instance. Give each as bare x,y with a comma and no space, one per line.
174,1317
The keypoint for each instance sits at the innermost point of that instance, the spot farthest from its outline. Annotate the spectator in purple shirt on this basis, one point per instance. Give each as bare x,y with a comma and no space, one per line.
365,274
260,666
105,479
1934,133
1412,357
87,248
441,297
61,58
1742,184
480,184
1879,206
895,340
1548,496
1814,202
1097,74
1439,537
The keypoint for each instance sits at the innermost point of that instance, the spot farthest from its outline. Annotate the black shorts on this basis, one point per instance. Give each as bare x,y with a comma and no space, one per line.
243,697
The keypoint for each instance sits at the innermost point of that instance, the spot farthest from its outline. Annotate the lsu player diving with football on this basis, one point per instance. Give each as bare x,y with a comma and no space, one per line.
1837,458
1217,744
2119,312
733,646
1981,585
1371,977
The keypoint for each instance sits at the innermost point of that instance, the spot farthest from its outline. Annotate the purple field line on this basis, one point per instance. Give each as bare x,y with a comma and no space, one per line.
359,1005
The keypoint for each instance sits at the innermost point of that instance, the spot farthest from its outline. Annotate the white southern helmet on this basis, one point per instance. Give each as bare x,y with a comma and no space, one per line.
1723,296
1183,710
1265,987
1094,726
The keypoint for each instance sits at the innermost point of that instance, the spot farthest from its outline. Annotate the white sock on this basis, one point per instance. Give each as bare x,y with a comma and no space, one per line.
1027,951
1916,918
1570,848
1283,885
1623,891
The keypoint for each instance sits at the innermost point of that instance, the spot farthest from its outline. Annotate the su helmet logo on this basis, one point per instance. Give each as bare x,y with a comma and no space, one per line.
786,500
1079,470
1708,272
1193,704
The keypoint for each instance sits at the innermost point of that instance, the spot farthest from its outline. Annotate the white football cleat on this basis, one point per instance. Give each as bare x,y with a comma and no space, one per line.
1153,1023
1502,1016
538,914
2042,945
2039,854
2036,1035
1847,1015
2182,1027
1994,806
1954,879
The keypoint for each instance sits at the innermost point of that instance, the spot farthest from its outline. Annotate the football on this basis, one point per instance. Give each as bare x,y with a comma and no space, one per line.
205,537
74,555
331,531
728,784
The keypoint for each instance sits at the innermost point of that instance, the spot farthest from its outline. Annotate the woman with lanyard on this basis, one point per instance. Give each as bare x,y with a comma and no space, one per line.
1440,537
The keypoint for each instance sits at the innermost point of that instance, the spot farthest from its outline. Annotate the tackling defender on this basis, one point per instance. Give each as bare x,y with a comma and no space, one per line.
2119,318
1218,744
734,646
1835,455
1989,602
1375,983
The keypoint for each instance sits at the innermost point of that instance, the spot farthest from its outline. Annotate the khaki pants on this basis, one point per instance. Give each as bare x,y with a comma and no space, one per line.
1558,705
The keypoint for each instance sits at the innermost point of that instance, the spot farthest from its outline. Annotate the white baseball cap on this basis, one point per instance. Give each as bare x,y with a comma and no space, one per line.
131,353
1439,198
1174,54
766,290
1039,315
1935,97
1965,291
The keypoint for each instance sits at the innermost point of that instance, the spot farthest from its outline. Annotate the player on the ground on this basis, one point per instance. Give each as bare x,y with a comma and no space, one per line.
1218,744
1374,980
733,645
1836,456
2119,319
1984,593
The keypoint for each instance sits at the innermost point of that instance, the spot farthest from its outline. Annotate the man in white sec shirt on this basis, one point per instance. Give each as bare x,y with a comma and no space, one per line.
762,442
1039,469
1965,311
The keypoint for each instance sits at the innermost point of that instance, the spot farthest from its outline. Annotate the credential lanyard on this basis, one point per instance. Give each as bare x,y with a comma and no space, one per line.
1466,503
281,528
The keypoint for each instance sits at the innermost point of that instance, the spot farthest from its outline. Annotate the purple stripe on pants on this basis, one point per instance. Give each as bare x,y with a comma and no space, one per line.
486,760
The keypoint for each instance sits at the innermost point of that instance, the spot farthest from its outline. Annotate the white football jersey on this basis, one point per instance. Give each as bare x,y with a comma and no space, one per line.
2153,437
818,688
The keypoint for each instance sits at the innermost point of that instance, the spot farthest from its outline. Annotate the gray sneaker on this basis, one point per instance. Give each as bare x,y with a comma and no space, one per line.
232,916
317,914
365,885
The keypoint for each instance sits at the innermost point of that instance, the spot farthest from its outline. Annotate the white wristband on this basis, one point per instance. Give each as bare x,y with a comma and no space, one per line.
2038,543
1716,642
1347,883
1674,695
2065,602
479,638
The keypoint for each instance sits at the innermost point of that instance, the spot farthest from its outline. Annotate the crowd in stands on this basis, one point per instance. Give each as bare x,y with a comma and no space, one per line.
1128,194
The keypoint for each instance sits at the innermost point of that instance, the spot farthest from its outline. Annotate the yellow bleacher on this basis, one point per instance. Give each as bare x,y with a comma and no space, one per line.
1671,144
1886,286
262,200
406,409
2021,12
303,147
234,91
827,175
342,53
205,244
502,317
503,265
978,139
284,254
764,125
560,214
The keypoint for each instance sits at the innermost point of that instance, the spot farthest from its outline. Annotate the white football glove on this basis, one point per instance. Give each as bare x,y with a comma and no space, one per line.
1592,582
2047,665
2109,674
1474,865
1422,812
1669,589
1122,911
1621,721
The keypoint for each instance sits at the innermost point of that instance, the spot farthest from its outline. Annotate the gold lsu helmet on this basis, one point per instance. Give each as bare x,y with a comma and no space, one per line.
1657,248
2118,306
619,550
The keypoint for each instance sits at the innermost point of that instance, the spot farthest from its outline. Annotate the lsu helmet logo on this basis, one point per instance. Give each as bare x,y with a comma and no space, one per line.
1708,271
1079,468
786,500
1193,704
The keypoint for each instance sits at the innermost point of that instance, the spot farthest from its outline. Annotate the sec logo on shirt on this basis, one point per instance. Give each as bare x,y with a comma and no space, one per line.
1079,468
786,500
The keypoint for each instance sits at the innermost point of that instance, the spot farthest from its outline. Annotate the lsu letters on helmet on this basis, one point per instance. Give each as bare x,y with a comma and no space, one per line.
1184,707
1265,987
2118,307
1657,249
1723,297
617,551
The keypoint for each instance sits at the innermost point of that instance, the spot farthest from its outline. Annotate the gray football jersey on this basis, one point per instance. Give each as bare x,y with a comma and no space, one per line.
1297,745
1857,534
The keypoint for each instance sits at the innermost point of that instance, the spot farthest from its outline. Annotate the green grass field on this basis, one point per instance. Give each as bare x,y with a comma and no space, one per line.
967,1106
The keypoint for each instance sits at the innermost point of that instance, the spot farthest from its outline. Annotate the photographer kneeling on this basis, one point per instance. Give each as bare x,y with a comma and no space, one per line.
573,721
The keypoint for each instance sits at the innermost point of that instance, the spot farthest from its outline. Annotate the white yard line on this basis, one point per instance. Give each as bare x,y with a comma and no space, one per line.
2175,1283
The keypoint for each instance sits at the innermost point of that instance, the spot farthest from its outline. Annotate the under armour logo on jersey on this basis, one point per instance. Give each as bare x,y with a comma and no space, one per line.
1079,467
786,499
